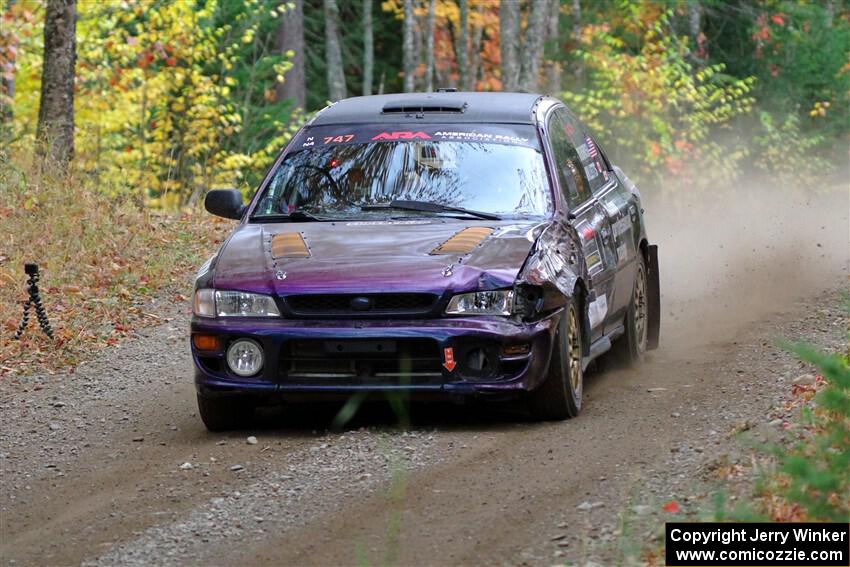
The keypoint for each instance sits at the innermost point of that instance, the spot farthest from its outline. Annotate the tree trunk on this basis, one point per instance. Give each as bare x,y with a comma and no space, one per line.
509,43
429,47
475,57
7,88
290,37
462,48
830,12
368,48
55,131
333,53
407,46
694,28
553,65
579,67
532,47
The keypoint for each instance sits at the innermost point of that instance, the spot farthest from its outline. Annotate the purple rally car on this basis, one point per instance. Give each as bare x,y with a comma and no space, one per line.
443,245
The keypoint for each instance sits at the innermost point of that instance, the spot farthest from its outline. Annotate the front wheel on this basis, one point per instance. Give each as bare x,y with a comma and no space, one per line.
559,396
630,348
224,413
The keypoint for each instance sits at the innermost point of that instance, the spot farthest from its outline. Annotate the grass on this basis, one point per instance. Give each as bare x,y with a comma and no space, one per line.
102,260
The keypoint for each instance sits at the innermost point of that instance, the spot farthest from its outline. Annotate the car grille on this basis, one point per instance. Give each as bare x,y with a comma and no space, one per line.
377,362
370,304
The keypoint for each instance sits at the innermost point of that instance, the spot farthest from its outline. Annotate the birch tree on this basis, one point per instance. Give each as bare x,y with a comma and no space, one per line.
509,43
553,66
462,54
290,39
333,53
55,130
368,48
408,55
429,47
532,46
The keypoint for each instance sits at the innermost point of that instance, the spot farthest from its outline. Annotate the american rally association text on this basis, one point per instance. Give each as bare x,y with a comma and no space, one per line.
726,536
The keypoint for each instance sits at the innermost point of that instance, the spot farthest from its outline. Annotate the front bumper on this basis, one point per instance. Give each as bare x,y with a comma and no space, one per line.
487,352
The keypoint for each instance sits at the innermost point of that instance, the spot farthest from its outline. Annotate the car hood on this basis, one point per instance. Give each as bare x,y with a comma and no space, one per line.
374,257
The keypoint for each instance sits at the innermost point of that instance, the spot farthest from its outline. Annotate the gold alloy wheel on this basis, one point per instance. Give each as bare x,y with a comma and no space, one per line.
640,308
574,351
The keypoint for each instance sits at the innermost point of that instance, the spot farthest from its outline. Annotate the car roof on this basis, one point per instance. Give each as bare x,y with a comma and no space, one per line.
432,107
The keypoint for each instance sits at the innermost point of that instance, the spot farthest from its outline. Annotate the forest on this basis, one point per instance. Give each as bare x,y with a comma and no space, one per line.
158,101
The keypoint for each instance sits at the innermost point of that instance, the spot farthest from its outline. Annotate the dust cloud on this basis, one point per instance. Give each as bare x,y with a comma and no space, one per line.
735,256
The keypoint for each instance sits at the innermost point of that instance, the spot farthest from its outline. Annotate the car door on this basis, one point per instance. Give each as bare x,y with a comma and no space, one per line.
622,208
587,215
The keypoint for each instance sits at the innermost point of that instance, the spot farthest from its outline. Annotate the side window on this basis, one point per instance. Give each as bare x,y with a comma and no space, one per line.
568,164
592,161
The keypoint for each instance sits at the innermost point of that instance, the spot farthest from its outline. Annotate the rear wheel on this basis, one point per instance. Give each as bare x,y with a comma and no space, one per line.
224,413
559,396
630,348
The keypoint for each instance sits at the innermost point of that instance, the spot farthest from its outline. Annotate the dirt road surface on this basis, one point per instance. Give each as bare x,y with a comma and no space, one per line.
110,464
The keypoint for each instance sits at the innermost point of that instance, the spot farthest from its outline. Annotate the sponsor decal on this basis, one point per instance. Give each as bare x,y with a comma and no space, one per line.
339,139
449,358
594,262
309,142
622,252
597,310
623,225
381,223
590,172
479,137
582,152
610,208
404,135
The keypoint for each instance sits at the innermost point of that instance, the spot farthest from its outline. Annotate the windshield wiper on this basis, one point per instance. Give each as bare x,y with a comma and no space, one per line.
299,216
428,207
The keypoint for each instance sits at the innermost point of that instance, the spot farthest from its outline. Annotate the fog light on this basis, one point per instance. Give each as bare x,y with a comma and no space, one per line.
205,342
513,350
245,357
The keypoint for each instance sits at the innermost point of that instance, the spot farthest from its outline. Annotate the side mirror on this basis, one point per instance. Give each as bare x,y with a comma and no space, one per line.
225,203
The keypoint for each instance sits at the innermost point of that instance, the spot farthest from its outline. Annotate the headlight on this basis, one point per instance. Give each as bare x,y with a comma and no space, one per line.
245,357
212,303
482,303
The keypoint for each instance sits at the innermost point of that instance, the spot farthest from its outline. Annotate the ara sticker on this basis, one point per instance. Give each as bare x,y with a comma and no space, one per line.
449,357
401,136
339,139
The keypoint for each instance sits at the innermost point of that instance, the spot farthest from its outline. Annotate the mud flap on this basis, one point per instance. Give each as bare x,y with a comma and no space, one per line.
654,299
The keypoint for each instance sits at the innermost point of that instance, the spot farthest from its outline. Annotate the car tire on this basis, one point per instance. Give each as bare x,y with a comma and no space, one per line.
630,348
224,413
559,396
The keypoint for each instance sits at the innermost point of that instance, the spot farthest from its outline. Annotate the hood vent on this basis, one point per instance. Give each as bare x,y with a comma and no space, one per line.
289,245
464,241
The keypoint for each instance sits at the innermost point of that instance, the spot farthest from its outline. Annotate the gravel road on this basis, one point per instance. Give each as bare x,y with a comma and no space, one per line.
110,465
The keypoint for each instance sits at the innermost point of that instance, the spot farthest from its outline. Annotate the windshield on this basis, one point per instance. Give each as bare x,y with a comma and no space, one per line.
347,180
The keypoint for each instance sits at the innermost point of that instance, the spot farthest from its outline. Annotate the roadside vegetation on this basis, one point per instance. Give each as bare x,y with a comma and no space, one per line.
805,477
105,264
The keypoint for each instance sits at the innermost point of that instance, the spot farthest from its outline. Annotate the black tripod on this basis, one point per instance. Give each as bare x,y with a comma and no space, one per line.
34,299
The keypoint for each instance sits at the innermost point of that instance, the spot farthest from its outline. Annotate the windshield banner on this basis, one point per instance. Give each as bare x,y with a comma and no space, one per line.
508,134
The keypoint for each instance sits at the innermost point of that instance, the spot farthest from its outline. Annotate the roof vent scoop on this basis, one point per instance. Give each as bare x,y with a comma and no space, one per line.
423,106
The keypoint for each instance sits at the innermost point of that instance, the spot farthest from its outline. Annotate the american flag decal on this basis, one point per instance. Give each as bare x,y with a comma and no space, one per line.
591,147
